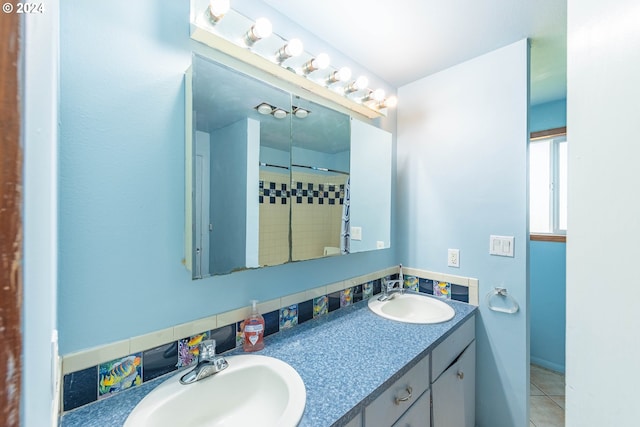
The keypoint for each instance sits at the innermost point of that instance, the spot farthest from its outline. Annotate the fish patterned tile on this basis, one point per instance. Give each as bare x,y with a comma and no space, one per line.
119,374
320,306
411,283
289,316
188,350
367,290
346,297
442,290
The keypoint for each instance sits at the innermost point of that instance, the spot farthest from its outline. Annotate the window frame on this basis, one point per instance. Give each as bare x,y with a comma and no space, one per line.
555,136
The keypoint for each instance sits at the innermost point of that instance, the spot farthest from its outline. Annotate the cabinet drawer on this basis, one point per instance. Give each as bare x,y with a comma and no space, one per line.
419,415
448,350
388,407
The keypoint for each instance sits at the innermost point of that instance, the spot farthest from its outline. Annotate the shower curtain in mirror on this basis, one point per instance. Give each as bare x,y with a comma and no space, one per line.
345,237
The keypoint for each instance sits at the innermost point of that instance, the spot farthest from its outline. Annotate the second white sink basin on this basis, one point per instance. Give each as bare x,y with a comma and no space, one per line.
254,390
412,308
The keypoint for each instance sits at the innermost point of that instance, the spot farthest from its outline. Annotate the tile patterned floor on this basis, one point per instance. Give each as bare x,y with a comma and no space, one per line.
546,404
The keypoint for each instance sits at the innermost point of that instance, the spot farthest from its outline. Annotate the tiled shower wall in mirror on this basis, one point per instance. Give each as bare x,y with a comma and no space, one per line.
316,214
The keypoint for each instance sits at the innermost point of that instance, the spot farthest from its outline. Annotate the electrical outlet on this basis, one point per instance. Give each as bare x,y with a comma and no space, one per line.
453,258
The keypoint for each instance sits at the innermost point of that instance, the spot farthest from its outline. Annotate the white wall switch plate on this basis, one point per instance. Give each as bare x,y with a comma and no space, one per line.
501,245
453,258
356,233
379,244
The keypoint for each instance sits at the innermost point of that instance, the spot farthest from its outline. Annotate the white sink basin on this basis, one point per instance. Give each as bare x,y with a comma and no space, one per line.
253,390
412,308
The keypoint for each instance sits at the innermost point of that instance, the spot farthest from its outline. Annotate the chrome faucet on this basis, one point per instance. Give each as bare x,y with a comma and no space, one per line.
208,363
392,287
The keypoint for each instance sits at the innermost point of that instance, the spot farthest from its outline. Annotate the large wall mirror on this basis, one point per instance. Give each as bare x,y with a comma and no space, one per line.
269,176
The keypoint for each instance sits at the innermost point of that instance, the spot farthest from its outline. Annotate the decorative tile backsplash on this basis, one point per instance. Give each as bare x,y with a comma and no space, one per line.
98,382
119,374
273,192
302,192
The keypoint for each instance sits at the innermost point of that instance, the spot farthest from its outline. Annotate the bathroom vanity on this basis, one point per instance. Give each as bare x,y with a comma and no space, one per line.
359,370
439,390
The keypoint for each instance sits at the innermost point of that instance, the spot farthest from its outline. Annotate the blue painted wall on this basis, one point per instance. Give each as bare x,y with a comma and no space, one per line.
121,177
549,115
548,304
462,165
547,270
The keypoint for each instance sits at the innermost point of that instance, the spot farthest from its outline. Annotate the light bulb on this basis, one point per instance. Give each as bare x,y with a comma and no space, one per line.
344,74
301,113
359,84
279,113
341,75
293,48
260,30
264,108
374,95
320,62
217,9
390,102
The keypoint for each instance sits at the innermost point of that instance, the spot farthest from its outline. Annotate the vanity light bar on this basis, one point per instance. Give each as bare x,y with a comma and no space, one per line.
204,29
280,113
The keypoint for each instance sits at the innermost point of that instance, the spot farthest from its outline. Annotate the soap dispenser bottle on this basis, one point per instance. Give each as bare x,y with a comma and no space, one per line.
253,330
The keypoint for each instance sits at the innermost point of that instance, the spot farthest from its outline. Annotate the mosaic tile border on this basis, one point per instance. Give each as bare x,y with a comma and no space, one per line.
270,192
273,192
98,373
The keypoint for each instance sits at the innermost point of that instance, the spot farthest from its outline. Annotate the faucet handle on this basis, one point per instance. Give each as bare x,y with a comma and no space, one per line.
207,350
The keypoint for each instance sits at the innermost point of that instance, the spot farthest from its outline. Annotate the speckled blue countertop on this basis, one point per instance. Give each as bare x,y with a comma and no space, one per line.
346,359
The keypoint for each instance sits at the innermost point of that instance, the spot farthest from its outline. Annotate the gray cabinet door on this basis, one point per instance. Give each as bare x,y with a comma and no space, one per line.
454,401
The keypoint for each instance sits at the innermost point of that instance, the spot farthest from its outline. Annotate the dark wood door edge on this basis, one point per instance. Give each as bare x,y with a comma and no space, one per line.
10,223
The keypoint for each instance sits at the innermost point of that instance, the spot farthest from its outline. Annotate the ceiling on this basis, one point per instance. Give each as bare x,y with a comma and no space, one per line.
404,40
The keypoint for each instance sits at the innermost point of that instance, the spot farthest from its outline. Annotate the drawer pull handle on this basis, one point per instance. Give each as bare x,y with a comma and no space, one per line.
460,375
405,398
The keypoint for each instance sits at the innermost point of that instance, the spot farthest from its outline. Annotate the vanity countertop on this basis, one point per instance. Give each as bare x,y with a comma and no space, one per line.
345,358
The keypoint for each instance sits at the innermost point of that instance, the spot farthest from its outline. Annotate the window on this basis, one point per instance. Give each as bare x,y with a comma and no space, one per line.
548,185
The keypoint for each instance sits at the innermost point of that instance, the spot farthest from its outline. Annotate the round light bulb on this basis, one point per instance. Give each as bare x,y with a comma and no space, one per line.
301,113
294,47
262,28
264,109
361,82
279,114
218,8
377,95
390,102
321,61
343,74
